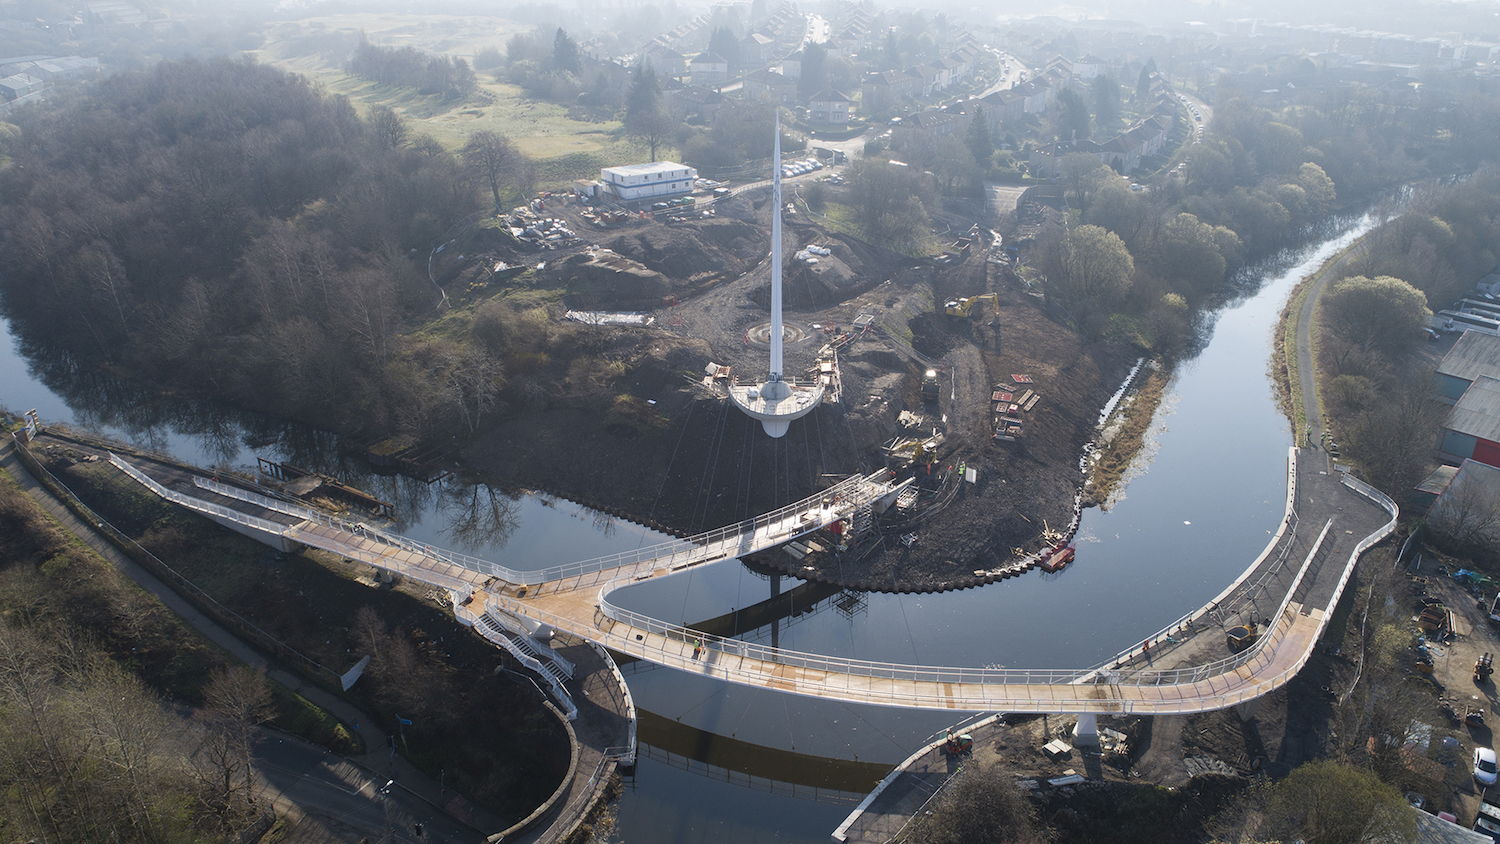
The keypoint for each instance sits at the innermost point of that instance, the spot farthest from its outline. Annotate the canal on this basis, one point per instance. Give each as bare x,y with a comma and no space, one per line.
1204,498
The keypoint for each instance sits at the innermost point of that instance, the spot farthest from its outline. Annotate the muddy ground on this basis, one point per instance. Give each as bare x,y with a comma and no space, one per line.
712,466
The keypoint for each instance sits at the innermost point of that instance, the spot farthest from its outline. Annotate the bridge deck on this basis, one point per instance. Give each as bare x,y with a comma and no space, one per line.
577,602
1286,648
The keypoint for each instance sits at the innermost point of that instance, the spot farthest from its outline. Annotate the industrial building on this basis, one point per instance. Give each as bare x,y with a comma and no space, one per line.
1475,354
1472,431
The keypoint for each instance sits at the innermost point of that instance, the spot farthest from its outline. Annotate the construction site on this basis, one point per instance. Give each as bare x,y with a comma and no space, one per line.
945,367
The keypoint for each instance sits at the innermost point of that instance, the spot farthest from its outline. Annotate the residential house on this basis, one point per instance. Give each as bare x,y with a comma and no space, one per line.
1003,108
829,107
936,75
666,61
1089,67
1125,151
708,69
930,78
1037,94
1472,430
791,66
769,84
695,102
938,123
887,89
755,49
1474,354
1046,160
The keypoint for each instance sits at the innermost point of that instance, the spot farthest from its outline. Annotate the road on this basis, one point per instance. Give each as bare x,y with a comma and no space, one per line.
1202,119
817,32
342,794
1010,75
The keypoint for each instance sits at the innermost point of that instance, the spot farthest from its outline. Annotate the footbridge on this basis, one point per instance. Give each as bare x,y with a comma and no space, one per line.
1289,592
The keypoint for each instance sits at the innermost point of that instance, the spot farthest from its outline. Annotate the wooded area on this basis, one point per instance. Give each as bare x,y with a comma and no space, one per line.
225,227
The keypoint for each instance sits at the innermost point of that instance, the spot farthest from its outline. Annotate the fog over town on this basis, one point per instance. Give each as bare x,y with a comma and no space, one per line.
718,423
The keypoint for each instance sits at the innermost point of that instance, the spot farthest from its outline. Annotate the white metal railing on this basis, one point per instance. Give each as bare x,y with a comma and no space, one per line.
518,626
274,528
358,529
624,755
492,631
849,678
841,672
1288,524
774,527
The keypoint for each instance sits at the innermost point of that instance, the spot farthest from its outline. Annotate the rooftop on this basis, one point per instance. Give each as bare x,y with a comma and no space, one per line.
1438,481
1474,354
1478,412
645,169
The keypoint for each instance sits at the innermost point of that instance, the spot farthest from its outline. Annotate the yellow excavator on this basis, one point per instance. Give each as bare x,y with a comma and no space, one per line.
965,307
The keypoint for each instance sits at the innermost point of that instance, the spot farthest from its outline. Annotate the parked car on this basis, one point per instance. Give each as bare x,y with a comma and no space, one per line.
1484,765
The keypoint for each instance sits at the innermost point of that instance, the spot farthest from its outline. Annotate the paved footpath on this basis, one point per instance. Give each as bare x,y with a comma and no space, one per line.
416,794
1305,371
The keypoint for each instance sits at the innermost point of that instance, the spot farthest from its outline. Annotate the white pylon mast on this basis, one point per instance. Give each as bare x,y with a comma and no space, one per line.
776,255
778,401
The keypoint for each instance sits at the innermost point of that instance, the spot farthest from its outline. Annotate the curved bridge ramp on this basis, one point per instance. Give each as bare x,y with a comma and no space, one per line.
574,598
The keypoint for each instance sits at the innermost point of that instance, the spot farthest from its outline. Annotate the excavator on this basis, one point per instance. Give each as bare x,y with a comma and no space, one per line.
965,307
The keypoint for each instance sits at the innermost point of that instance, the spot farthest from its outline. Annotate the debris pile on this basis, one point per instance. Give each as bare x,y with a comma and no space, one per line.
545,233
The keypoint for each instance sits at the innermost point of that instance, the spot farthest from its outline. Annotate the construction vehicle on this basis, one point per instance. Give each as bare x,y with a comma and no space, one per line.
930,387
1483,668
965,307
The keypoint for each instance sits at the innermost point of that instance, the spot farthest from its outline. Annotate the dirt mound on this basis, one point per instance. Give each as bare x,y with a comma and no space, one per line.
606,279
696,252
813,282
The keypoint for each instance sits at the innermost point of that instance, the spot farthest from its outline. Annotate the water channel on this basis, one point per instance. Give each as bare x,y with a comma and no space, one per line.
1207,493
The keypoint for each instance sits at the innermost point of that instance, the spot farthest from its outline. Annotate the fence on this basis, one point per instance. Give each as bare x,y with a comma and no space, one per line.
220,613
854,680
625,755
721,543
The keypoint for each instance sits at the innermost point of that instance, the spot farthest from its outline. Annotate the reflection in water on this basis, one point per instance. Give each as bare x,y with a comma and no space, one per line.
761,767
604,523
478,515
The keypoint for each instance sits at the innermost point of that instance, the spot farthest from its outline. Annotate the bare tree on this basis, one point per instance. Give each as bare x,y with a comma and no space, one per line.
495,161
981,804
237,701
389,129
1467,514
653,128
1391,441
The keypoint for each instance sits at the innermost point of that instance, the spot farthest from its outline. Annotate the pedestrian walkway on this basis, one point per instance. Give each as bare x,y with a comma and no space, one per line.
568,599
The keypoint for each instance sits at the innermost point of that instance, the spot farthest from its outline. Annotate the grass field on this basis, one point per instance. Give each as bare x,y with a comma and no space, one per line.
565,148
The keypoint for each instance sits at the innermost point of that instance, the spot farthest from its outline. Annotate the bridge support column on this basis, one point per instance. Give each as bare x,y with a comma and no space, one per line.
1086,731
1247,709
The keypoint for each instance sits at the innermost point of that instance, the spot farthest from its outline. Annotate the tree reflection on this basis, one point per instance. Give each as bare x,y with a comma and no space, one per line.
603,522
479,516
